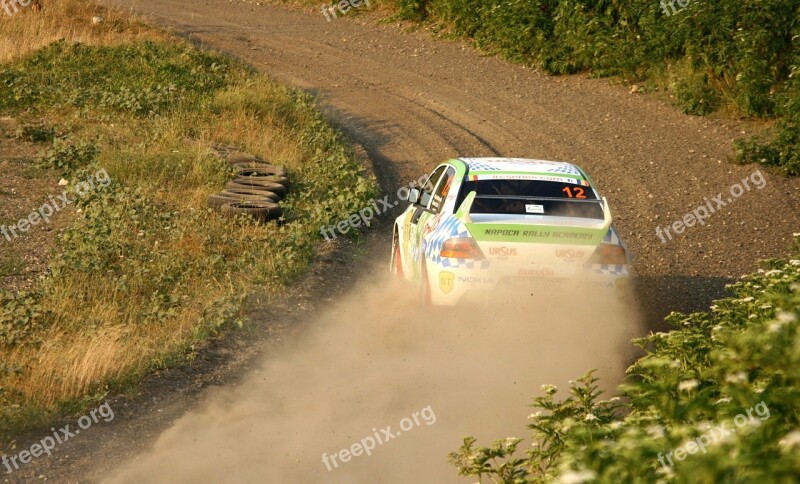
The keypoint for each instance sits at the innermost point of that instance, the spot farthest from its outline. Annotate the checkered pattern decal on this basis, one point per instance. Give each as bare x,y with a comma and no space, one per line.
611,237
568,169
608,269
475,165
449,227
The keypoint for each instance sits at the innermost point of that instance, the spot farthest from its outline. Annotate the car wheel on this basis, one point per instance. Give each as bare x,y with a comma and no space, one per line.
425,287
397,262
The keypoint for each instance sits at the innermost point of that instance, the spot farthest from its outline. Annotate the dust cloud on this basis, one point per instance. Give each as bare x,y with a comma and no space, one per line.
375,359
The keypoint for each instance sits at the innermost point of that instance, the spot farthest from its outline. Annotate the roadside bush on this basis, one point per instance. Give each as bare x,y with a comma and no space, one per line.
36,133
21,316
67,155
712,367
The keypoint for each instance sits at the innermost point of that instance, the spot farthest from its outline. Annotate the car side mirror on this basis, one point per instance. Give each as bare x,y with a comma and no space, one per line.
413,195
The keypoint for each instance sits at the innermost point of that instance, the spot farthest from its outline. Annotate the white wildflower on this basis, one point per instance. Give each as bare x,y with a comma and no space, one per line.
790,440
738,377
590,417
786,317
688,385
577,477
655,431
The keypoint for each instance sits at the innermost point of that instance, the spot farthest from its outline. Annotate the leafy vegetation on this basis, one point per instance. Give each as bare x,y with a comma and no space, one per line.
743,56
145,272
710,369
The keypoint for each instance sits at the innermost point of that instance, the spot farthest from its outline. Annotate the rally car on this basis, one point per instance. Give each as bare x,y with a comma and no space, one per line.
483,225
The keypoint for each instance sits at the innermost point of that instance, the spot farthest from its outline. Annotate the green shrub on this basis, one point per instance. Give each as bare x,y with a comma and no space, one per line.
36,133
67,155
21,315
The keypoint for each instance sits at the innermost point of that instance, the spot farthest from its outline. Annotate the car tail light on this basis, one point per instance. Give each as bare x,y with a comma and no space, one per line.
461,248
610,254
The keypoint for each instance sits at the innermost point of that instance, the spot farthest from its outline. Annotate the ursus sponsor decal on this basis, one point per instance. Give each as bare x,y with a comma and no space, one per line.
569,255
502,251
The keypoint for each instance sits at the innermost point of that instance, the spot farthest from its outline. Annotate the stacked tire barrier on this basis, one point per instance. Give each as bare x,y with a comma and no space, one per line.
255,190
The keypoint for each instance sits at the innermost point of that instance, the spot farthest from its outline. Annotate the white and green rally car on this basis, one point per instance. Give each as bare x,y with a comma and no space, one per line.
479,226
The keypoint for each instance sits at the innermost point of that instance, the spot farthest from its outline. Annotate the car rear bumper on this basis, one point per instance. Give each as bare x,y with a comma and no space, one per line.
451,286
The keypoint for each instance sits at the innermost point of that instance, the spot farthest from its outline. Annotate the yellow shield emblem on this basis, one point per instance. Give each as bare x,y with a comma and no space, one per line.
446,281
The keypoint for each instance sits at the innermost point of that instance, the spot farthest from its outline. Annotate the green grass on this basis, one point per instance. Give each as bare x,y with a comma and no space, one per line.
147,272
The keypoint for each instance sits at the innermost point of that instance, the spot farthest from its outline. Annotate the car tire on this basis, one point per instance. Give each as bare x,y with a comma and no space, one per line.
241,158
263,211
254,191
225,198
255,184
425,287
396,266
259,169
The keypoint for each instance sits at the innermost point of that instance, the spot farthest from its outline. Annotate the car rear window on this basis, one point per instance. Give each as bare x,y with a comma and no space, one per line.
534,197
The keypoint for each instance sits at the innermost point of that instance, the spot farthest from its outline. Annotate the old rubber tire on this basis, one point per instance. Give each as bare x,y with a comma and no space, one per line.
262,192
263,169
263,211
283,180
243,158
219,199
257,185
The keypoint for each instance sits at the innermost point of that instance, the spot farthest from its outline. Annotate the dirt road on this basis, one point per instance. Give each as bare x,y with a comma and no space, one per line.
413,101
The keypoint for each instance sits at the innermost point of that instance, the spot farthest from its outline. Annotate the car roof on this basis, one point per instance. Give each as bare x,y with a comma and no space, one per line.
523,165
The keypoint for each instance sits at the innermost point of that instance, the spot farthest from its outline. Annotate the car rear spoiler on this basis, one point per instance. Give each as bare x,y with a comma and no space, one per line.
463,212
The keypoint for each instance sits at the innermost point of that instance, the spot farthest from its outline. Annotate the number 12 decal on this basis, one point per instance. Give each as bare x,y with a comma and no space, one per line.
574,192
